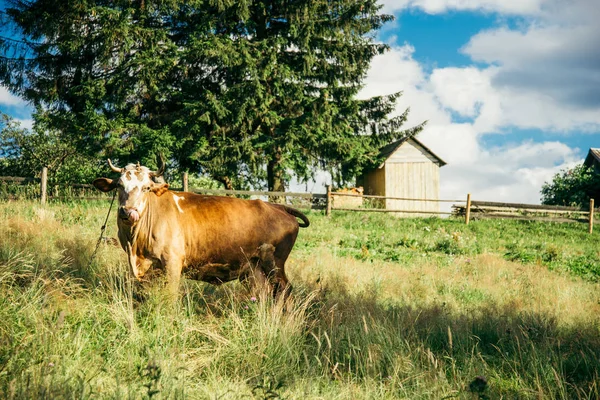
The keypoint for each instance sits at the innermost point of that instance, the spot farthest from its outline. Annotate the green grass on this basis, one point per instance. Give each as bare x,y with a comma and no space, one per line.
382,308
560,246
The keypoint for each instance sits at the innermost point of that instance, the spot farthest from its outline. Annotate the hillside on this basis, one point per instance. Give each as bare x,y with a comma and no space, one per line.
382,308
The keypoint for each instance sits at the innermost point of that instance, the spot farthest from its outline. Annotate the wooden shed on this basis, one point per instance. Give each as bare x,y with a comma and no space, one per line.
410,170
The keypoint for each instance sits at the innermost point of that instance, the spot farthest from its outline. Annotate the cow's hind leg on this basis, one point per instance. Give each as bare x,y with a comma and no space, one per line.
273,269
282,252
282,285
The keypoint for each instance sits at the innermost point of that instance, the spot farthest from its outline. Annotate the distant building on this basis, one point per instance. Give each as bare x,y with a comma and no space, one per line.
410,170
593,159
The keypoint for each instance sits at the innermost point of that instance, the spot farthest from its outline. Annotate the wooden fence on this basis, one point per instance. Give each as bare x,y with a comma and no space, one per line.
482,209
45,193
469,210
332,195
530,212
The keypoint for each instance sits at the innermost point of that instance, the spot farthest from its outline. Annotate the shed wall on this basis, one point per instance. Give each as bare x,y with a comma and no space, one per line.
416,180
374,182
410,152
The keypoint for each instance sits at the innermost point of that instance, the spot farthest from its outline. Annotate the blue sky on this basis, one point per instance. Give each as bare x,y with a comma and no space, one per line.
437,38
511,88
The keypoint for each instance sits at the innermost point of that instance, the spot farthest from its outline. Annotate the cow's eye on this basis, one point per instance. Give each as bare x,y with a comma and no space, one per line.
146,189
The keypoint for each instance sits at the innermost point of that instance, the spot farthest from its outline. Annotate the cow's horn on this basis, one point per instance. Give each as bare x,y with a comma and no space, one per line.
161,168
115,169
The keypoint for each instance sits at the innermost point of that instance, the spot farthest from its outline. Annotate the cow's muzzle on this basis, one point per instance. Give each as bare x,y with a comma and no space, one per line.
129,214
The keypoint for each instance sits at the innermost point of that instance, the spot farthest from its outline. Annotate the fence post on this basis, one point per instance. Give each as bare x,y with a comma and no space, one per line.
185,181
44,185
329,201
591,215
468,209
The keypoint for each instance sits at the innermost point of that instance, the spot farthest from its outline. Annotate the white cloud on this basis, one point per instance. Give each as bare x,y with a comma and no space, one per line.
8,99
548,71
463,90
25,123
511,172
519,7
544,73
498,178
393,72
508,173
531,154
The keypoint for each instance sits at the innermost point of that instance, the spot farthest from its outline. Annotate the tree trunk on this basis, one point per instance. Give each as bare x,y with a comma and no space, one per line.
225,180
275,176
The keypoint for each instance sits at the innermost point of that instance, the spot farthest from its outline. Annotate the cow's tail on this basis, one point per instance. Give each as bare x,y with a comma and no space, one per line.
297,214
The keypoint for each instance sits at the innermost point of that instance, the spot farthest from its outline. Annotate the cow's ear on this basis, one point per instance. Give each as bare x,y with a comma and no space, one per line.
160,188
104,184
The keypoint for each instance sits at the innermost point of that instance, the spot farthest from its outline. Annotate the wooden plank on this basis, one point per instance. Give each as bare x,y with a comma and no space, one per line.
185,180
394,198
77,185
17,179
591,217
468,209
519,205
329,202
44,185
412,186
258,193
526,218
81,186
385,210
79,197
460,209
475,208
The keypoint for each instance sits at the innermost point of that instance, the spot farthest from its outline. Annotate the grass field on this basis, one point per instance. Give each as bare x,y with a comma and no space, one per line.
383,308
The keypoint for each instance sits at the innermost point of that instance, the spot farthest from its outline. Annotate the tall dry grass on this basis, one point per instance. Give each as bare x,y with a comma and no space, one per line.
439,325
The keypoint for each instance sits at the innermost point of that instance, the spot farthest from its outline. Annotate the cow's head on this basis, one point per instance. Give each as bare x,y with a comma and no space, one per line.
134,186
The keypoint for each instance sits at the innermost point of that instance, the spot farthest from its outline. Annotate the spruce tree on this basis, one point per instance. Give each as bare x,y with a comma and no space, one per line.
96,71
246,91
290,73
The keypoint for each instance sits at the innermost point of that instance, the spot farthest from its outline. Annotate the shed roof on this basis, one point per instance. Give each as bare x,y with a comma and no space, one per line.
592,157
389,149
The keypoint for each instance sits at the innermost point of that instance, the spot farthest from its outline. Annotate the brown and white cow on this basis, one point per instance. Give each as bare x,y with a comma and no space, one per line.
208,238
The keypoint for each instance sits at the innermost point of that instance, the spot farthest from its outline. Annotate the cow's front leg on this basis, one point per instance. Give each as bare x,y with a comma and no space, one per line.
142,267
173,267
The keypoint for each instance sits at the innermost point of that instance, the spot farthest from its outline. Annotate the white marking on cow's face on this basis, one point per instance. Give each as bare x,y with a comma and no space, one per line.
177,199
134,184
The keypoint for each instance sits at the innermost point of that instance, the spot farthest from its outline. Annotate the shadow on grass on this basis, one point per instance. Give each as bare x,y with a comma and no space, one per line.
489,351
520,352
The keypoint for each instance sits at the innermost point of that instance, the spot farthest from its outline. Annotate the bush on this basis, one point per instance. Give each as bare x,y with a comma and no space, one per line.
572,187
